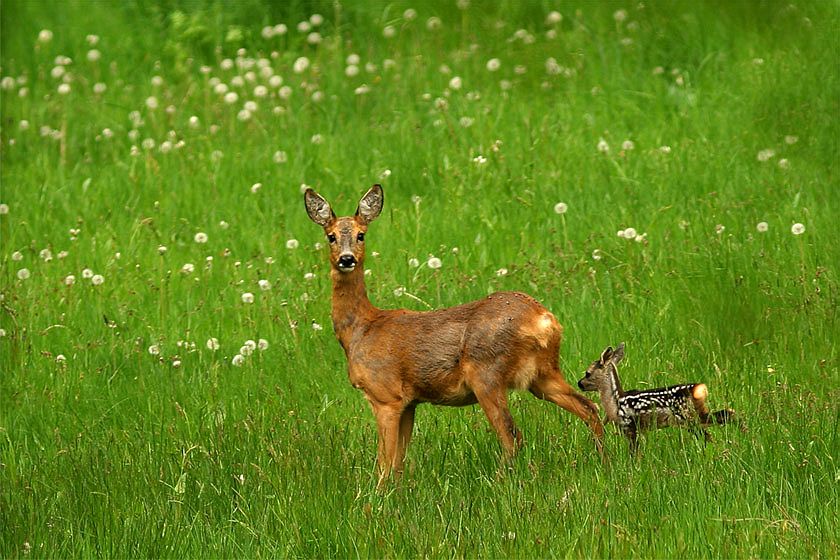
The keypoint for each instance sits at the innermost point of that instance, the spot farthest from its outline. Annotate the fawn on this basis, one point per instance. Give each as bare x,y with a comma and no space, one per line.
472,353
655,408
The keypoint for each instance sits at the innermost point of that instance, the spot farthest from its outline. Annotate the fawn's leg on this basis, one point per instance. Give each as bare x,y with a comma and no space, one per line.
555,389
633,439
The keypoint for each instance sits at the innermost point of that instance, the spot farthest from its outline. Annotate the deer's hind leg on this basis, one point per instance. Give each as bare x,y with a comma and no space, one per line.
493,400
552,387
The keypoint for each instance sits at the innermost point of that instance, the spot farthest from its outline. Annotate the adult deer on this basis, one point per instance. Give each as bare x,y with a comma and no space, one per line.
472,353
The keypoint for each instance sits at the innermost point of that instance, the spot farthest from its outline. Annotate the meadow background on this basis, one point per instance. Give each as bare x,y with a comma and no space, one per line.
152,161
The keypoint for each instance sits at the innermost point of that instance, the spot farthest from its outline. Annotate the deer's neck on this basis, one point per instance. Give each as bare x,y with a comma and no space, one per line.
610,393
351,308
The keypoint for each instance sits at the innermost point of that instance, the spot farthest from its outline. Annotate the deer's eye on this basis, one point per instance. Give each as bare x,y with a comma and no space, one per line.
331,238
360,236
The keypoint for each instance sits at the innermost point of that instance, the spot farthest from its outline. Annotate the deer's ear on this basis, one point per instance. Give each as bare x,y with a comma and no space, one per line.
318,208
618,354
606,354
371,204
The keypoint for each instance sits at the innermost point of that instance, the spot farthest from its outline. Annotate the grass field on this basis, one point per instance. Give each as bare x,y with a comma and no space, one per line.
152,222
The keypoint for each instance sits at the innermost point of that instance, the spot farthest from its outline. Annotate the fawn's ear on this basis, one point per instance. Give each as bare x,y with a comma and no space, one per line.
618,354
318,208
606,354
371,204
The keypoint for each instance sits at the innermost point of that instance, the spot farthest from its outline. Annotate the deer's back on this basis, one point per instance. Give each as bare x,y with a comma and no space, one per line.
430,355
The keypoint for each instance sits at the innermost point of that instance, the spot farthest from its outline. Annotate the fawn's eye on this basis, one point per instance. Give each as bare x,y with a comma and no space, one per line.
331,237
360,236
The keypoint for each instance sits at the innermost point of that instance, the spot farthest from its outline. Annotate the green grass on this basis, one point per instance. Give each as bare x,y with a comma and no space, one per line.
116,452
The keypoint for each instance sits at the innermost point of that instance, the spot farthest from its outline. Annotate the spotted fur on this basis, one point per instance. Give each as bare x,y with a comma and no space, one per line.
677,405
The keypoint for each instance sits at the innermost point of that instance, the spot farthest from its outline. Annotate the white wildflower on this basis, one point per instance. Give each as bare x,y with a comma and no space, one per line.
603,147
561,207
213,344
797,229
434,263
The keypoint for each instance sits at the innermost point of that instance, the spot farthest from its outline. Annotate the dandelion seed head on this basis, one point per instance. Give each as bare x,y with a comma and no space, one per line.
797,229
292,244
262,344
238,360
97,280
762,227
154,350
247,297
87,274
300,65
45,36
561,208
213,344
434,263
493,64
765,155
23,274
553,18
602,146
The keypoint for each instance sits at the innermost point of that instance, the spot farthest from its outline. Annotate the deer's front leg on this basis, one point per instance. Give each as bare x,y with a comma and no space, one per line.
406,427
388,425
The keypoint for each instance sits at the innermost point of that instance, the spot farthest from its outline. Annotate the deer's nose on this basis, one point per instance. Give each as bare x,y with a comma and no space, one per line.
580,384
346,262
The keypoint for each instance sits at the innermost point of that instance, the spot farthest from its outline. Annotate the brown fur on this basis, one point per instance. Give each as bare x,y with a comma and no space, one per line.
471,353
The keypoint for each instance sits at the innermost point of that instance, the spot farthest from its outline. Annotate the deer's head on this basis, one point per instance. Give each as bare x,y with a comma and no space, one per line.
346,235
598,371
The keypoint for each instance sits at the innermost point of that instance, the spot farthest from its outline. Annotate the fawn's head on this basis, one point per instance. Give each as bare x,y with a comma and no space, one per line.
597,372
345,235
